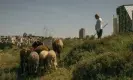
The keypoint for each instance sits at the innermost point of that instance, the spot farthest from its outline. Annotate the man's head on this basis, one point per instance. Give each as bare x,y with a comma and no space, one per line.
96,16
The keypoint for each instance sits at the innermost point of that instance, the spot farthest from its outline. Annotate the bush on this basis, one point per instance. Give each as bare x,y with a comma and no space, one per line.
104,67
77,53
5,45
73,57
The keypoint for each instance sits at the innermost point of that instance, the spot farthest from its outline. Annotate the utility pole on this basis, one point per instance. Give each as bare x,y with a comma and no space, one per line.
45,31
48,32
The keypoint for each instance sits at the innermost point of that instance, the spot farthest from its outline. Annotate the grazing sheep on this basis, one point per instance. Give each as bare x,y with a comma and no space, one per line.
33,62
57,46
48,58
41,48
43,59
24,53
36,44
52,60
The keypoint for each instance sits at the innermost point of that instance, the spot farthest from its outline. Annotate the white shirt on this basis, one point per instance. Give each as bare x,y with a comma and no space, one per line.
98,25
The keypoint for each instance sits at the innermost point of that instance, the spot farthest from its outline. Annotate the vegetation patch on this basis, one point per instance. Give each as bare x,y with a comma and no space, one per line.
104,66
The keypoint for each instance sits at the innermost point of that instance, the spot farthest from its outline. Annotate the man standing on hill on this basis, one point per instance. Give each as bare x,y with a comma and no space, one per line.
98,26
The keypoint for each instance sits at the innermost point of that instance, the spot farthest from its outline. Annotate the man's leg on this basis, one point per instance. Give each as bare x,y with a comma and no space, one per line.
100,33
97,34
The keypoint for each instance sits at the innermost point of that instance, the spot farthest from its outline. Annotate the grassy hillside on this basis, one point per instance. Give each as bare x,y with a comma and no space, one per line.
108,59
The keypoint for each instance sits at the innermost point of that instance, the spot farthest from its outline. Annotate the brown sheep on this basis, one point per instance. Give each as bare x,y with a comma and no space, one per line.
24,53
36,44
33,62
48,58
43,59
57,46
52,60
41,48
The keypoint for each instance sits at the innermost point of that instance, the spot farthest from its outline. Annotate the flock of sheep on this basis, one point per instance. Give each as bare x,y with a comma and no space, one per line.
40,56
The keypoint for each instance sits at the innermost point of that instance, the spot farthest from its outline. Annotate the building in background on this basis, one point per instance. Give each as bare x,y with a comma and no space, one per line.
115,25
82,33
124,13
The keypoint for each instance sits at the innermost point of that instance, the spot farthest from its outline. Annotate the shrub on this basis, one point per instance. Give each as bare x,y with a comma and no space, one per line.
104,67
5,45
77,53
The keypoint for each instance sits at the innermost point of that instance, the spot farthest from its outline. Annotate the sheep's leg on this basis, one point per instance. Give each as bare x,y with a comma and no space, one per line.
36,66
22,68
55,63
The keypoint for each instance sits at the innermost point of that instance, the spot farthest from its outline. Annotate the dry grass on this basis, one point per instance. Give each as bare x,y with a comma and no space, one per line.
80,51
60,74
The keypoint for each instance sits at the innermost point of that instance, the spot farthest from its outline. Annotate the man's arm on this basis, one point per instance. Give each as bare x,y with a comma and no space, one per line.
96,25
101,23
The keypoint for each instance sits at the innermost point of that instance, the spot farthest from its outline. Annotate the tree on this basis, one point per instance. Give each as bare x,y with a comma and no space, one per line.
25,35
92,37
87,37
30,35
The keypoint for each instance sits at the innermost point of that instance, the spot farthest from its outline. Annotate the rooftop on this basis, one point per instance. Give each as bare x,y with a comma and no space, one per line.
129,10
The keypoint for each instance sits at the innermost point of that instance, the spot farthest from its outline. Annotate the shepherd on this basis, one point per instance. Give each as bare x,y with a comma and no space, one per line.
98,26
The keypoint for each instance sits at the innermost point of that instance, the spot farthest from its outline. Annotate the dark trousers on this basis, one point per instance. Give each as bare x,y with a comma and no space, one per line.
99,33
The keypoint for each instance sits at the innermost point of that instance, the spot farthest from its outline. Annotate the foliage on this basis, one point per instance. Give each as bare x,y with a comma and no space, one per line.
110,58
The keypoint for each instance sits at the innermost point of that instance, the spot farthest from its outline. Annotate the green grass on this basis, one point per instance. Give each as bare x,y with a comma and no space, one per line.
110,58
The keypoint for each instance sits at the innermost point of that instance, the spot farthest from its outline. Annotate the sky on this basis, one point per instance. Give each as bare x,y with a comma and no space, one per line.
59,18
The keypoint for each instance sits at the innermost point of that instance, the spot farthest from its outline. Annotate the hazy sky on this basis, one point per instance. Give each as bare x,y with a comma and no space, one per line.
62,18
